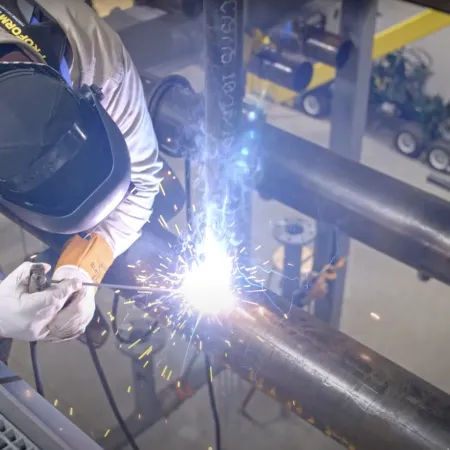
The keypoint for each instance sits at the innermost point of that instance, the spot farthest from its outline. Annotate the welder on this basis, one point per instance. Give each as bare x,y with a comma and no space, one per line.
78,155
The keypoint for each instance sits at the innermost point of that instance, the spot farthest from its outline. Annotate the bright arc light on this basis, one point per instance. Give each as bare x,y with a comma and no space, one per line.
208,286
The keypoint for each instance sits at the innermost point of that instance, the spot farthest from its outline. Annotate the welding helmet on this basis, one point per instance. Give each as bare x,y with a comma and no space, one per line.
64,164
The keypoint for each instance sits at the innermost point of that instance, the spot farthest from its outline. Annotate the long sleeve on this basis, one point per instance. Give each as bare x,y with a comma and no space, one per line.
99,57
125,102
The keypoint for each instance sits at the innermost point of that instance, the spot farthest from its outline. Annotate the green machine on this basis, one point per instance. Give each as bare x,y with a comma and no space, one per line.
421,122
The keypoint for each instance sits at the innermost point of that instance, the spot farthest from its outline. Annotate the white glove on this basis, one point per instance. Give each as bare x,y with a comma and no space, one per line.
72,321
26,316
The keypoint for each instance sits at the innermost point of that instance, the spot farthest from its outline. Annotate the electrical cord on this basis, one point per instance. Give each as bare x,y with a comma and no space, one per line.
107,389
109,394
36,369
212,401
103,380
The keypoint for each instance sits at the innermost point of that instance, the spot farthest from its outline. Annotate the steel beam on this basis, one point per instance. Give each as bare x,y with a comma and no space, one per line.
348,124
439,5
227,197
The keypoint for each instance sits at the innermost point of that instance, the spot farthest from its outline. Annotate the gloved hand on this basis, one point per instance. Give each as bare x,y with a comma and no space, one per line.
27,316
72,321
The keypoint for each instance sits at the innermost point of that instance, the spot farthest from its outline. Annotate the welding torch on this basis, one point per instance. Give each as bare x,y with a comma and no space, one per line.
39,282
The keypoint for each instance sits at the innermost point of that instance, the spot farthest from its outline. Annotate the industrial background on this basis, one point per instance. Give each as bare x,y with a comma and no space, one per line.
383,303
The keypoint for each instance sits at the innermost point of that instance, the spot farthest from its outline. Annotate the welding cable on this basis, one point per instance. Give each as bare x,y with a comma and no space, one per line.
108,393
36,369
212,401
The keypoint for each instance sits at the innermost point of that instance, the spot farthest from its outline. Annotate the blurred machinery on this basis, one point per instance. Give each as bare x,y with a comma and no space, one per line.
353,395
385,42
398,100
422,122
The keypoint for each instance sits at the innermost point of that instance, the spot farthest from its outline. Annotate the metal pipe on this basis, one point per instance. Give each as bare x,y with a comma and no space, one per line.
294,235
347,391
386,214
126,287
227,198
328,48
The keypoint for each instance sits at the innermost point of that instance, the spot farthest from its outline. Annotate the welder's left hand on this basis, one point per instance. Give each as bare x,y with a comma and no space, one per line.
72,321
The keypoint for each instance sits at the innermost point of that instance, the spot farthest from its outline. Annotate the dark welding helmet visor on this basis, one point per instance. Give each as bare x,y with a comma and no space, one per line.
64,164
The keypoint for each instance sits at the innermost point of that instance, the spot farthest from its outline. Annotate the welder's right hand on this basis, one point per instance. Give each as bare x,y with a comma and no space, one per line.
26,316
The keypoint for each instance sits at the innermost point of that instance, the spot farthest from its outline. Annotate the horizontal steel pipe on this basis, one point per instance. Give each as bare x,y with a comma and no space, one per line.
349,392
386,214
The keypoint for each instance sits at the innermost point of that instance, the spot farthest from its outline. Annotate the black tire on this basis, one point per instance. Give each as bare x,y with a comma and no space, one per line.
315,104
410,140
438,155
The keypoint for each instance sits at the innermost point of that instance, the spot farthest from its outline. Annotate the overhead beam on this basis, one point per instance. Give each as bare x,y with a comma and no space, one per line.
439,5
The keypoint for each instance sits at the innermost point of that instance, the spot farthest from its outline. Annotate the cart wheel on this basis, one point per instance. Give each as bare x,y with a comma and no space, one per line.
438,156
410,140
315,104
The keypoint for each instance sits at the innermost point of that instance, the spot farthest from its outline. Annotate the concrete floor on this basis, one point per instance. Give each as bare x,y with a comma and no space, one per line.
411,329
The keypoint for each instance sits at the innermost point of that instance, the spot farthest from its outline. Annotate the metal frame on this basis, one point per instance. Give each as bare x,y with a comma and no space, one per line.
37,419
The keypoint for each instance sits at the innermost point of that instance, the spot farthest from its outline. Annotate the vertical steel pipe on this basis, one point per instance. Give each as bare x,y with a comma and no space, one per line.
227,200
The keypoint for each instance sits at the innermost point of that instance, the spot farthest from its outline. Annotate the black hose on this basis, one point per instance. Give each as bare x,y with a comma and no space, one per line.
36,369
108,393
212,401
